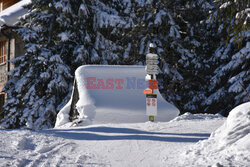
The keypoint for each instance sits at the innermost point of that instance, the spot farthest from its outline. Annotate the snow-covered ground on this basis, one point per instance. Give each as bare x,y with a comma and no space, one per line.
139,144
183,141
229,145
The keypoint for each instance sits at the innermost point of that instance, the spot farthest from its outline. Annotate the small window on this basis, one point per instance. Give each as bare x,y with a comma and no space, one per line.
2,51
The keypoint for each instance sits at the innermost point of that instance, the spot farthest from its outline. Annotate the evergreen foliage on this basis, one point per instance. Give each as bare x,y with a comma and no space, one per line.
42,78
201,65
229,83
234,16
174,31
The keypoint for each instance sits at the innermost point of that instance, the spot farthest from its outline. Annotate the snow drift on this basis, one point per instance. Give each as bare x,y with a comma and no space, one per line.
112,94
229,145
201,117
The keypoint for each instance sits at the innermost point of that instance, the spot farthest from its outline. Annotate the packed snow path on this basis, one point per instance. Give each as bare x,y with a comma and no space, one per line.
129,145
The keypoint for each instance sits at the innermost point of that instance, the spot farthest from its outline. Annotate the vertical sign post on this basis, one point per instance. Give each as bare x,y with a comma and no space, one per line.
152,71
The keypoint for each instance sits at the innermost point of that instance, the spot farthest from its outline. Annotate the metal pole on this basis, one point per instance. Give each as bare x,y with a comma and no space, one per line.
152,61
151,117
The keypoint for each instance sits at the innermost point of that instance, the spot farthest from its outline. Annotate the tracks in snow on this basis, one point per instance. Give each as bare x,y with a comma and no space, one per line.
123,145
32,149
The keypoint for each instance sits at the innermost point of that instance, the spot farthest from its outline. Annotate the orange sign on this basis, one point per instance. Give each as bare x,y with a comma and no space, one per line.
148,91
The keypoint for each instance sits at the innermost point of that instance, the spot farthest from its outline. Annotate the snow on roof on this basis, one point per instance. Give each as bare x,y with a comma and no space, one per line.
11,15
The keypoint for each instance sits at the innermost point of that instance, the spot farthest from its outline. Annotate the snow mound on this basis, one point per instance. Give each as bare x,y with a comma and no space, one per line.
112,94
229,145
189,116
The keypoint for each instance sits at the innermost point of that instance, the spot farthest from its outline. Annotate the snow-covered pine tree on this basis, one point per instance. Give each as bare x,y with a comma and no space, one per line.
57,41
230,82
171,26
77,36
109,25
40,77
60,35
233,14
191,16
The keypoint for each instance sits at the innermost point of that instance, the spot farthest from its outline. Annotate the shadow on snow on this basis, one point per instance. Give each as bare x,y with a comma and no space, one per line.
131,134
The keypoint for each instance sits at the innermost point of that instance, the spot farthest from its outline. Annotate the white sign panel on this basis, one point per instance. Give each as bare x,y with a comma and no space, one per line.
151,105
152,62
152,56
152,72
152,69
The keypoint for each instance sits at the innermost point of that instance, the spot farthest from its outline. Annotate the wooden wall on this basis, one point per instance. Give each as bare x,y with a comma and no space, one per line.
7,3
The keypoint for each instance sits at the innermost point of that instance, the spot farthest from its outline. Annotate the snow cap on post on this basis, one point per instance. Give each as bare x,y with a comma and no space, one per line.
152,48
152,55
